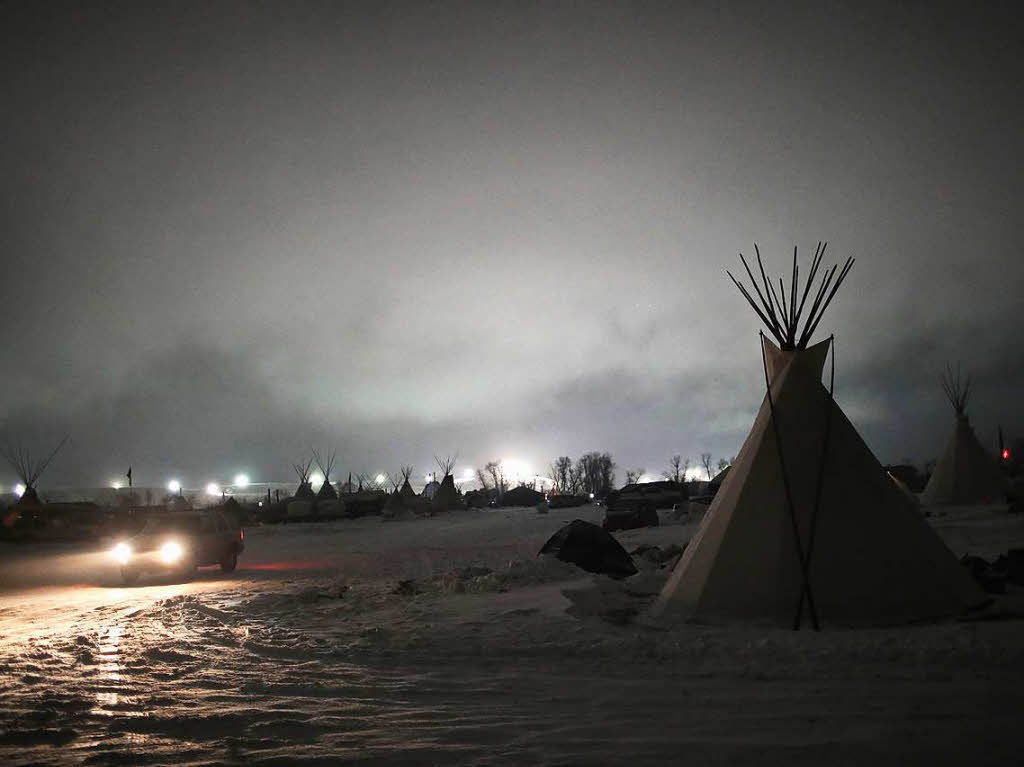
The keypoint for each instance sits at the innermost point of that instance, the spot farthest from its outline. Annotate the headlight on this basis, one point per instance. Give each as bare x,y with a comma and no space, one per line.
122,552
171,552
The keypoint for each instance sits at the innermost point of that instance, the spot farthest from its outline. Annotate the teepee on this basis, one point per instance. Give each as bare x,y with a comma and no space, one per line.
327,491
807,526
29,469
966,473
406,490
446,497
394,502
305,491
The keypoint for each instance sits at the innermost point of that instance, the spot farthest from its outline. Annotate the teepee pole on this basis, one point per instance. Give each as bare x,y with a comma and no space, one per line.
805,582
821,478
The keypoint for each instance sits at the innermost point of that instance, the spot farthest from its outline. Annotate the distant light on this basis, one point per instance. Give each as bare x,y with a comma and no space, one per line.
19,490
380,479
213,489
241,480
591,496
316,478
516,470
1006,454
116,485
174,486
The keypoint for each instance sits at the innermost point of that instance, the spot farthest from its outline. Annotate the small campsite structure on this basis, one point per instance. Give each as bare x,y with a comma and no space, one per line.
325,464
301,504
807,526
29,469
406,490
328,505
966,473
446,497
586,545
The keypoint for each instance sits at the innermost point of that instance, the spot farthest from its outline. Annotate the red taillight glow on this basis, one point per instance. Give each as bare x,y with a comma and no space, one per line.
241,534
1006,454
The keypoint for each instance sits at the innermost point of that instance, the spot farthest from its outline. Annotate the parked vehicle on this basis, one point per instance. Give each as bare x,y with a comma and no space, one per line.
646,495
564,501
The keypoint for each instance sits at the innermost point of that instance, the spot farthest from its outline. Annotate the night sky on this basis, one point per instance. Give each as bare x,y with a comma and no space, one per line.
232,232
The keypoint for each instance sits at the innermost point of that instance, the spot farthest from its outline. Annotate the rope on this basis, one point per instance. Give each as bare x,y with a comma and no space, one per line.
821,475
805,583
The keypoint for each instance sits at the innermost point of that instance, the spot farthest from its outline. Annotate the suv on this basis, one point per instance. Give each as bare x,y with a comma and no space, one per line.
178,543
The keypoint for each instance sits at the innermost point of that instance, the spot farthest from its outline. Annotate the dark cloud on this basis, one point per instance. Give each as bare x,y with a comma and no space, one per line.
230,231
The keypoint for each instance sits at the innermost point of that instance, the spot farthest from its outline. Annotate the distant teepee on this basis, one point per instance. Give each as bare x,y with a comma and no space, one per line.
29,469
446,497
966,473
327,491
807,526
406,490
305,491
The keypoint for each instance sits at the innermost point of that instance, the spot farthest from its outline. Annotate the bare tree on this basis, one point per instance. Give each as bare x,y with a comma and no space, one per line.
596,472
705,458
481,477
677,468
497,472
633,475
566,478
725,463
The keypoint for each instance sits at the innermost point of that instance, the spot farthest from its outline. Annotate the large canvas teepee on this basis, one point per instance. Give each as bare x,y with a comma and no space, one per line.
966,473
807,527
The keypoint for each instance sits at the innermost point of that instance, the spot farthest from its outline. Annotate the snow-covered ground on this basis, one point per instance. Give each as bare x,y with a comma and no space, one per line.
313,653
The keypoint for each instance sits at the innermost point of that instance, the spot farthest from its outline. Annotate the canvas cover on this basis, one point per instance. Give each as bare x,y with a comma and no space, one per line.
966,473
875,560
446,497
326,492
407,491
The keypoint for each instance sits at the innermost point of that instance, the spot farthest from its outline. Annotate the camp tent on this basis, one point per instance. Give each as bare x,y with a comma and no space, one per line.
807,527
966,473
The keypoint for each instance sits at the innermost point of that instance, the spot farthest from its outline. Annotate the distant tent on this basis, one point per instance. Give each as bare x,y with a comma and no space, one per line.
586,545
966,473
305,491
406,491
29,469
446,497
327,491
430,489
807,523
